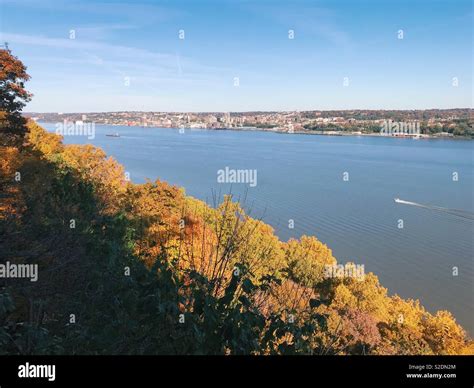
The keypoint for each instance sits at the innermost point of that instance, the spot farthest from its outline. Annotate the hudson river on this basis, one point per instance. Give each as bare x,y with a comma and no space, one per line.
301,178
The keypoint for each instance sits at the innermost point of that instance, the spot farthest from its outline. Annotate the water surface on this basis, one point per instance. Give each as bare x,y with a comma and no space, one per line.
300,178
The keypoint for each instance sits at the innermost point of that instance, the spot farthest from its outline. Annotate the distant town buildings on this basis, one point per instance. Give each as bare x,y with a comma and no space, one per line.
446,122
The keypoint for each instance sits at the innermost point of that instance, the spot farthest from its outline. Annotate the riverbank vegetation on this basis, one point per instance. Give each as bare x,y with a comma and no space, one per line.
130,268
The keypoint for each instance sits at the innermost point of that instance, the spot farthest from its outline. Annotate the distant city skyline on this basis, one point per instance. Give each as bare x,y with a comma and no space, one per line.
238,56
417,123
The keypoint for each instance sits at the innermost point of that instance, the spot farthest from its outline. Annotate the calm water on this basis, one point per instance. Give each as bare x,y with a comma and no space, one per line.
301,178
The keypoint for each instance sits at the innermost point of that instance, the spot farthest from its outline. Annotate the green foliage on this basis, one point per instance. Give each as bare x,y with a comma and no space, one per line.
137,283
147,270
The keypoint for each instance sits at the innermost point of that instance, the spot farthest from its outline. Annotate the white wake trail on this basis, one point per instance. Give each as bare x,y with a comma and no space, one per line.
455,212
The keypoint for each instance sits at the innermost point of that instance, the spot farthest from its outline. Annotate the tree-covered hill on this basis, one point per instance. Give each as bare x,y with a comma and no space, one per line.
145,269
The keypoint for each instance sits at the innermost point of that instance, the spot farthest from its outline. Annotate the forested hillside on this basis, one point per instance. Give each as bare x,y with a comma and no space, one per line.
145,269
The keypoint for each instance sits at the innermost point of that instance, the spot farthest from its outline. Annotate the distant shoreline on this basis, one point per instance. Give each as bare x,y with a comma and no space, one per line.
300,132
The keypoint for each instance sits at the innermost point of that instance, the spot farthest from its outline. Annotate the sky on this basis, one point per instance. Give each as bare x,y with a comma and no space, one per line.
231,55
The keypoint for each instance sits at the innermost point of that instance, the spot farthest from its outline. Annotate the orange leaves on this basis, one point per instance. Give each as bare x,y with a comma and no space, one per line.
9,161
13,95
106,175
89,162
361,317
11,66
287,296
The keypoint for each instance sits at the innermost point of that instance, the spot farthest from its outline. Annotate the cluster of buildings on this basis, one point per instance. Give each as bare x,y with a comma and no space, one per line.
276,121
327,122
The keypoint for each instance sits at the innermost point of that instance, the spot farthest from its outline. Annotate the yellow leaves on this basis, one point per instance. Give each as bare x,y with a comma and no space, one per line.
371,296
213,241
343,298
89,162
413,330
155,211
408,313
39,139
105,174
468,349
261,250
83,158
306,260
155,202
443,334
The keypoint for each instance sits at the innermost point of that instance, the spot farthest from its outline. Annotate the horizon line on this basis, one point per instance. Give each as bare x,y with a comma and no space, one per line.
254,111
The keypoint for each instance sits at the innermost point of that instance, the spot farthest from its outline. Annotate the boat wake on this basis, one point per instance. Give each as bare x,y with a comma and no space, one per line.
455,212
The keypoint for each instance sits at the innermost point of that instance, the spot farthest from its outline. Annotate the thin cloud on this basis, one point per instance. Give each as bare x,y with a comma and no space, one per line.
144,67
315,21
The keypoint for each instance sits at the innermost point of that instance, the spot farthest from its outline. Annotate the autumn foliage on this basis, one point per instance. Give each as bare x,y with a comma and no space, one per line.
150,270
13,95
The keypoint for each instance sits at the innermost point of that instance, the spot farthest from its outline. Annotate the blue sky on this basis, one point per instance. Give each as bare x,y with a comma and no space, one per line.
129,56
